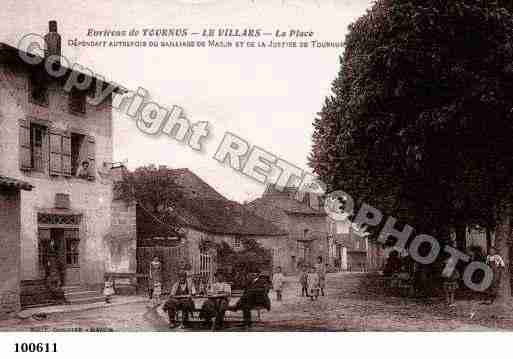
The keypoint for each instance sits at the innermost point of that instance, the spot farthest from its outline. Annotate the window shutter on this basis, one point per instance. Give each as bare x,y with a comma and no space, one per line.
91,155
66,154
55,152
25,151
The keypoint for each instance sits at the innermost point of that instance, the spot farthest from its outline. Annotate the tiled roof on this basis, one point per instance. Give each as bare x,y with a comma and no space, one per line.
224,217
203,208
14,183
11,54
285,200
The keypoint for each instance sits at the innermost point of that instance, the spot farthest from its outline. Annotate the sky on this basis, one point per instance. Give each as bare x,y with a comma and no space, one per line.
267,96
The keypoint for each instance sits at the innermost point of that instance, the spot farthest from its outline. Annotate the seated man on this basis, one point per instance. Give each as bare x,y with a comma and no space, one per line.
180,300
216,307
255,294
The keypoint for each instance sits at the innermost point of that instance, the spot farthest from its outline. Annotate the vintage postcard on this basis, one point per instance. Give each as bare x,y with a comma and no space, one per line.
189,166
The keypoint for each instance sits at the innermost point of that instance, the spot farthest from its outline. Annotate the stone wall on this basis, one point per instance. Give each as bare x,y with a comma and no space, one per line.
9,252
122,240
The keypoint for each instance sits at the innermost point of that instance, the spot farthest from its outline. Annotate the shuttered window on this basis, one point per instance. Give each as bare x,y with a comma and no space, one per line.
25,152
55,153
33,146
60,152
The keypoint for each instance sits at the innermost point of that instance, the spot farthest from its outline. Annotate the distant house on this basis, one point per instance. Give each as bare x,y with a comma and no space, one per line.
350,250
306,228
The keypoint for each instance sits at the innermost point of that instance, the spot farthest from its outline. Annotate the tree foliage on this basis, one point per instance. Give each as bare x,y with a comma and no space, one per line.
421,117
156,192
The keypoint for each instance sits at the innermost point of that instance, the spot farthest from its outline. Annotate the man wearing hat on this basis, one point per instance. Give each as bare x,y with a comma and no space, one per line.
180,299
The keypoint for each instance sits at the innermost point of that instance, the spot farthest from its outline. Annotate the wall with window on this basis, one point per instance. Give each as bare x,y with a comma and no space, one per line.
43,142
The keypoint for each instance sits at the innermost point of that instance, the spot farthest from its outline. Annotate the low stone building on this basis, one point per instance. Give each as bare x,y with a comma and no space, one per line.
10,250
307,235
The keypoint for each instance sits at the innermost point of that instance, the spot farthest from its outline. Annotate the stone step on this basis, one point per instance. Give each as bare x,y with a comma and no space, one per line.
73,288
80,294
87,300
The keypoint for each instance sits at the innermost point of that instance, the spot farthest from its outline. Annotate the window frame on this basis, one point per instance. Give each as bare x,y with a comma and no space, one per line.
45,102
71,102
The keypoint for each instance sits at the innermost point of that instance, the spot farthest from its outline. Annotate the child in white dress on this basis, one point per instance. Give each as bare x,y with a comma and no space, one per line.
313,283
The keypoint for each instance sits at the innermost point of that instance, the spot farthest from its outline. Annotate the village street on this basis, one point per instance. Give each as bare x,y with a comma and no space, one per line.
347,307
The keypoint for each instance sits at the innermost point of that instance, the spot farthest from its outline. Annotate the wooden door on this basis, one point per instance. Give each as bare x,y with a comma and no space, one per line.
72,257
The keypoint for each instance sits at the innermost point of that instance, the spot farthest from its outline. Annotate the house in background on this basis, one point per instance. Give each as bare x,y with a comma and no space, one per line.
46,135
349,250
306,228
10,222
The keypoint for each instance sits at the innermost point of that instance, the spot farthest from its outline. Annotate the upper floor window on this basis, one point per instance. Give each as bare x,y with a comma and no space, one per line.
77,101
38,88
43,149
237,242
38,136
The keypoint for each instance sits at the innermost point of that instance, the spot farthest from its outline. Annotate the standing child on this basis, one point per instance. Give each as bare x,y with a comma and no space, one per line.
450,281
108,290
303,281
278,283
313,283
157,291
155,276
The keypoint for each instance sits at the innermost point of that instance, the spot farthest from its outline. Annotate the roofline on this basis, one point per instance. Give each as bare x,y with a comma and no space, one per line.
6,47
199,228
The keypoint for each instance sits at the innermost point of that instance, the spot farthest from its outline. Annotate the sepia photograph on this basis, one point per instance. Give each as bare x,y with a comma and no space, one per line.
255,166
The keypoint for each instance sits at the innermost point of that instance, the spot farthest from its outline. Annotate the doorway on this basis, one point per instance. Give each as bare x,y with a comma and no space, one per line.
59,254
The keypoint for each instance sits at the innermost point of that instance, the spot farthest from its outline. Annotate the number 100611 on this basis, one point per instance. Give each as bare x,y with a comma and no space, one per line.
35,347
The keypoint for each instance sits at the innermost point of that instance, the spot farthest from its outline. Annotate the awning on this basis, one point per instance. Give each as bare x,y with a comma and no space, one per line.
11,183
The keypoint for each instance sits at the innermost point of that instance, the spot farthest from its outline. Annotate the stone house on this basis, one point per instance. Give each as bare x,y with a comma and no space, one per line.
349,250
46,135
307,233
10,222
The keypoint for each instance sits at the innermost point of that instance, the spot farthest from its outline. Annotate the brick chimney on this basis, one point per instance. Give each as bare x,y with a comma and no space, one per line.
52,40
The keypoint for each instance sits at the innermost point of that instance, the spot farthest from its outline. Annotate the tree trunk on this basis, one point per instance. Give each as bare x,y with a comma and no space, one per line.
461,236
488,239
502,245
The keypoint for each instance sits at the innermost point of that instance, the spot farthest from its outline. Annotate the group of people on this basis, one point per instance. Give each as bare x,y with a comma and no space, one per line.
448,272
217,293
312,280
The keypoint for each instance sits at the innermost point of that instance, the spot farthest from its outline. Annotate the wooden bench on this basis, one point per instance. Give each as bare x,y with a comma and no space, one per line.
123,283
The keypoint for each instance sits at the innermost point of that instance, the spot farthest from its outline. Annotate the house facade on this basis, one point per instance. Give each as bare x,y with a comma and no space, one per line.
62,145
307,233
350,251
